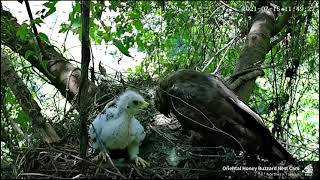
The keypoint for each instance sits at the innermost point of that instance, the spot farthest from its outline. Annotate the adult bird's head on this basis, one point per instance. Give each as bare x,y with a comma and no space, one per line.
131,102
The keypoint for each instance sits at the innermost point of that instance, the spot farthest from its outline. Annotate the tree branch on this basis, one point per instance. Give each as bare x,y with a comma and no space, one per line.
28,104
220,50
244,78
255,49
83,93
57,65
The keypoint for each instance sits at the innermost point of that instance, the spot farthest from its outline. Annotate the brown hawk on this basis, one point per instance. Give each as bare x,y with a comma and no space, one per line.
201,102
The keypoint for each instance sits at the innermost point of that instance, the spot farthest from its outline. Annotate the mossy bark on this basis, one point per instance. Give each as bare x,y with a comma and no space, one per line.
28,104
60,72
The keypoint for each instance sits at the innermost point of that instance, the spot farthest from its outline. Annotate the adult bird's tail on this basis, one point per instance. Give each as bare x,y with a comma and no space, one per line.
279,153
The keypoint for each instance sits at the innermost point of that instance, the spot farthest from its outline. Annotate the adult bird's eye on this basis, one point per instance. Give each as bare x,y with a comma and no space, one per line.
135,102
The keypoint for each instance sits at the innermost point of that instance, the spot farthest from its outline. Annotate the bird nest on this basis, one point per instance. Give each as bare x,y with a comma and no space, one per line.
167,148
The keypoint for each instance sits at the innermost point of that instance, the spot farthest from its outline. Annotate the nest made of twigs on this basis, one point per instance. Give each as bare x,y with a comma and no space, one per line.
166,148
63,160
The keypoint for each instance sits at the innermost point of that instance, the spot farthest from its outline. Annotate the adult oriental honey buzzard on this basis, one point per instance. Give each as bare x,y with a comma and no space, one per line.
201,102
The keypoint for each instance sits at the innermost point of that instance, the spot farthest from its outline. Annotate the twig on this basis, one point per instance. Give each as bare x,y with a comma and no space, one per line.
39,174
43,78
79,158
227,45
158,176
138,172
98,105
245,78
190,169
305,148
236,10
23,68
252,69
130,173
77,176
218,66
208,155
115,167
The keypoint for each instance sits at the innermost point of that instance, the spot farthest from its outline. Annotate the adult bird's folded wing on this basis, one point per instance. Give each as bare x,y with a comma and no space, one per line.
204,104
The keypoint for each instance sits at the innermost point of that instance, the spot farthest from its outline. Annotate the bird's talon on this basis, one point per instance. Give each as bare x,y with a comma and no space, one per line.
141,162
101,155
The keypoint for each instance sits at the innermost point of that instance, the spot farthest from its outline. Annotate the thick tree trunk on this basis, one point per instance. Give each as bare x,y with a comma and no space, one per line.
61,73
255,49
28,104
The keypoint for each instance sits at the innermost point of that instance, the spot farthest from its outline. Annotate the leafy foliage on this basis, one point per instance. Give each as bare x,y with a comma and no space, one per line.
187,34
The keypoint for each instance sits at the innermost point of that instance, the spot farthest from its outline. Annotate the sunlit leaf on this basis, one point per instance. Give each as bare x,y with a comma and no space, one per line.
121,47
115,4
50,4
137,24
22,32
37,21
64,28
43,37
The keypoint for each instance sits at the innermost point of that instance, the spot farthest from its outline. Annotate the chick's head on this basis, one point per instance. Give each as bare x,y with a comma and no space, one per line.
131,102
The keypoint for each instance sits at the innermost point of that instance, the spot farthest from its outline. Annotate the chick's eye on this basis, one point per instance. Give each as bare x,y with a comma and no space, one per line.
135,102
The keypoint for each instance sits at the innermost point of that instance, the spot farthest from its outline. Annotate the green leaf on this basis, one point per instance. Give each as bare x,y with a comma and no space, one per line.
94,35
138,69
121,47
106,37
137,24
100,33
44,64
64,28
140,43
118,19
115,4
51,11
146,6
98,10
76,24
43,37
128,41
10,99
23,32
28,54
22,119
37,21
134,15
50,4
120,30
